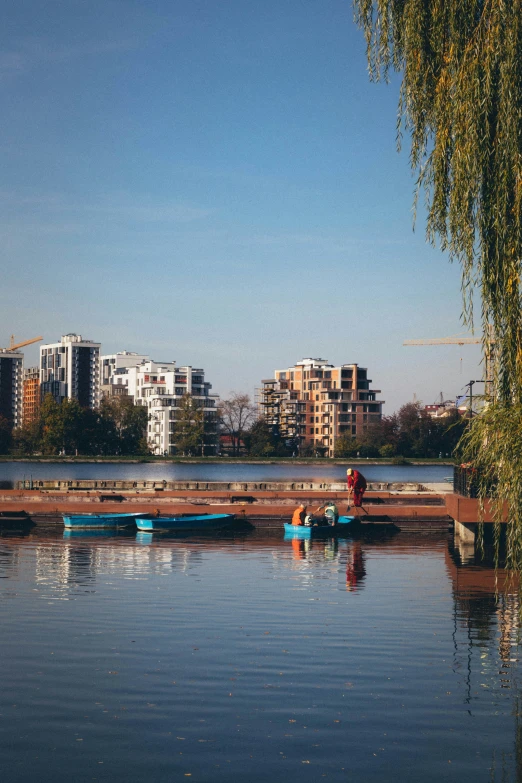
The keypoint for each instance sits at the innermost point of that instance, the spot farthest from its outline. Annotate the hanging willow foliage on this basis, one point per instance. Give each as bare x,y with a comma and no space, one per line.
461,105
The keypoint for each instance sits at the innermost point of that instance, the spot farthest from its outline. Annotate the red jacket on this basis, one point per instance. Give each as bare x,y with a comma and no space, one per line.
356,481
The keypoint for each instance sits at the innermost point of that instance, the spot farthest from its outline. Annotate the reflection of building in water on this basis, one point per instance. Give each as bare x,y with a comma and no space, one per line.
9,557
65,564
508,613
486,617
68,563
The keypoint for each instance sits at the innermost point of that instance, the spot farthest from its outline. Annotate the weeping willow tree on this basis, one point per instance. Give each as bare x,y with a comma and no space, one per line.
461,106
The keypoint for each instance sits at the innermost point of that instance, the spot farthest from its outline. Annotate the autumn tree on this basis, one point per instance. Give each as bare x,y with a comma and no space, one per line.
461,106
236,415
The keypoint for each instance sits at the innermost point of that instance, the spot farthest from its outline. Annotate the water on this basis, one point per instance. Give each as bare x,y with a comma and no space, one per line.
134,657
17,471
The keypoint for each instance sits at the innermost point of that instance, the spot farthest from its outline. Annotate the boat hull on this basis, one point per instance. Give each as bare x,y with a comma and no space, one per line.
98,521
316,531
185,523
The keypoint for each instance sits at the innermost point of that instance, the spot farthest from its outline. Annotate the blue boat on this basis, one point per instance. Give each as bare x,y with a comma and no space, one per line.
318,531
97,521
185,522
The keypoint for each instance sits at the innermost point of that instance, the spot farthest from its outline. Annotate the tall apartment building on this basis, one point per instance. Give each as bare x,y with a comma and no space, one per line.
31,394
70,369
160,386
315,403
110,364
11,370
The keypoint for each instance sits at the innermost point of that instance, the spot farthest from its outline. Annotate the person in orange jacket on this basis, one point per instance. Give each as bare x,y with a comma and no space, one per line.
356,486
299,515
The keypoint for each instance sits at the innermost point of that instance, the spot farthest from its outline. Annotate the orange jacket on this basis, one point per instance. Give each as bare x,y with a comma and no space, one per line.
298,516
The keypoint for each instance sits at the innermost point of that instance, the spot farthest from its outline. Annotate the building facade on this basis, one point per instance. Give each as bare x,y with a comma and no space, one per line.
31,394
11,377
161,386
70,369
315,403
110,364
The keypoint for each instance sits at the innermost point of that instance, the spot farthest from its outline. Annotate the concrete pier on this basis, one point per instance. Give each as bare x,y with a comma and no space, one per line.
261,504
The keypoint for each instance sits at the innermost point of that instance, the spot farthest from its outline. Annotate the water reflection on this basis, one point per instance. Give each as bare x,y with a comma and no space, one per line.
322,649
355,567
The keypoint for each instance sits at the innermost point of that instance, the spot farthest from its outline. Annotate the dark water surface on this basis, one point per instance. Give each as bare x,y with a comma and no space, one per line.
135,658
17,471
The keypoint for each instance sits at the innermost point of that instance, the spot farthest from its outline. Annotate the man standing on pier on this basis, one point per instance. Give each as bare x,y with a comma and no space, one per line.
356,487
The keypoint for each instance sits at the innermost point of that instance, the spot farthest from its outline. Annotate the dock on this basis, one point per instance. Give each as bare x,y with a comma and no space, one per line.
409,507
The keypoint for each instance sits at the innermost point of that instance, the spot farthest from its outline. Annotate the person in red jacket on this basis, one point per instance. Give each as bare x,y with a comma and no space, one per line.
356,486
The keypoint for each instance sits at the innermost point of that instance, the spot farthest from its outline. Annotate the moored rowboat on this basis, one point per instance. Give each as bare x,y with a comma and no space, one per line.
187,522
96,521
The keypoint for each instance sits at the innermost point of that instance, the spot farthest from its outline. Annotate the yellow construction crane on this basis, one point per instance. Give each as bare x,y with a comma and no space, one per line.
445,341
458,340
15,346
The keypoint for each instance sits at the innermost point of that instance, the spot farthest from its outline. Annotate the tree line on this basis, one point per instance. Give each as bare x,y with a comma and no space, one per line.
119,427
410,432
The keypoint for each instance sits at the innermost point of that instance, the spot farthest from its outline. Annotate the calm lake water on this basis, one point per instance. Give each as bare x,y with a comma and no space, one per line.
17,471
136,658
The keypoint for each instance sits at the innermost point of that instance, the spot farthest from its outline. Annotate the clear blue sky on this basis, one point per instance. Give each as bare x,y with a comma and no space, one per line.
215,183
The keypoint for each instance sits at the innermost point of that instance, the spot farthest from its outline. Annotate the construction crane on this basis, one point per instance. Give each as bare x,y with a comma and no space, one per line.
445,341
15,346
459,340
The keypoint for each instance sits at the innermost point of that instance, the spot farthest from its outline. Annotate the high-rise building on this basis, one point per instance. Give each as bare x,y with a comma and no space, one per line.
315,403
11,370
31,394
71,369
161,386
111,364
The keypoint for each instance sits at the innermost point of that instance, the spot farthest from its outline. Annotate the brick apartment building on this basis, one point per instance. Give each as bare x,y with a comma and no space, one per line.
31,394
315,403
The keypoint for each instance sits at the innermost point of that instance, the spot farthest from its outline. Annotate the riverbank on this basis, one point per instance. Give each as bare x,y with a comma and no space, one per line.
313,461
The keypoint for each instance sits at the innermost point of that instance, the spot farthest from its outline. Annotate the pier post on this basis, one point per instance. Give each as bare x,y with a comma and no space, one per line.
465,532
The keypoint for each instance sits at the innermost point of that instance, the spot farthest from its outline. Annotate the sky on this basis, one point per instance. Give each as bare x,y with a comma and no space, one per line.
218,184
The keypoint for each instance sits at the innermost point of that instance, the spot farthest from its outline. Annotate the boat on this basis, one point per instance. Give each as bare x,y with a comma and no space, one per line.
185,522
15,520
92,521
318,531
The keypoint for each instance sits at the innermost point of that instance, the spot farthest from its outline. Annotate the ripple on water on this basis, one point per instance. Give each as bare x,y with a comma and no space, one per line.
250,660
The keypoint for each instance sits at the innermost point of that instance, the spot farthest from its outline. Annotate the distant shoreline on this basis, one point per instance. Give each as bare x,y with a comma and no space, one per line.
228,460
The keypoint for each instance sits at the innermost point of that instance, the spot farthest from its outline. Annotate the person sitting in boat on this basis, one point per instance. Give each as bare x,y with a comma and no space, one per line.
356,486
299,515
331,513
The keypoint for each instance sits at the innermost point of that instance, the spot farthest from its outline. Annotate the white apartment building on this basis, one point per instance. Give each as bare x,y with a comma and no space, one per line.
160,386
11,386
70,369
113,363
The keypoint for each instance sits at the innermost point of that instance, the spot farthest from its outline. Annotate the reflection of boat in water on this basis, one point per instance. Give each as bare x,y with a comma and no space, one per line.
99,521
186,522
97,532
